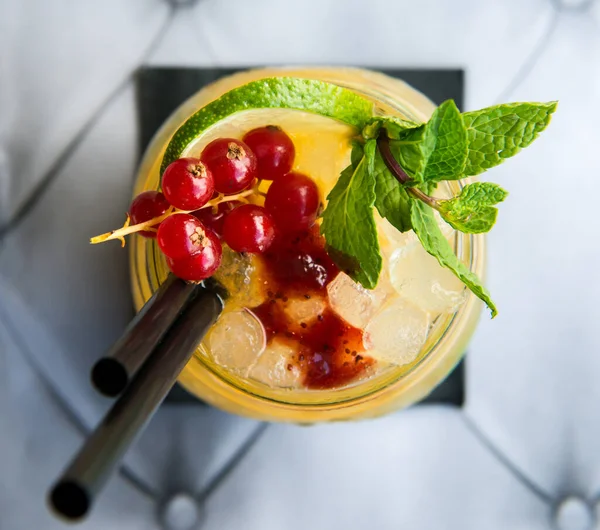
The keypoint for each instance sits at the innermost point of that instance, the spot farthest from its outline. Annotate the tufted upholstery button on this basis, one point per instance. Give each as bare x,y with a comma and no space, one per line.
574,513
180,512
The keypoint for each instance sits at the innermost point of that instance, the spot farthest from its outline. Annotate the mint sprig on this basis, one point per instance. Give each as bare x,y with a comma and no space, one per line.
396,165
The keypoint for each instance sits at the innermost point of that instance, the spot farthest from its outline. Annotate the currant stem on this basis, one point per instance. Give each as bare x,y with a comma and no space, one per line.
128,229
383,142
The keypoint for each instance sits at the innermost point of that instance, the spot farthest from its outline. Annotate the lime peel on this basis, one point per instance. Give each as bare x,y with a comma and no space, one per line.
308,95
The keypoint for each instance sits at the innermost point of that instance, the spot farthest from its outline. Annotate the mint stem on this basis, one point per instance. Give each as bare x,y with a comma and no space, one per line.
429,201
383,143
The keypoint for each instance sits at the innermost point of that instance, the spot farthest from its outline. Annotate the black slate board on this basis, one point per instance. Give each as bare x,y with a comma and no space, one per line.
160,91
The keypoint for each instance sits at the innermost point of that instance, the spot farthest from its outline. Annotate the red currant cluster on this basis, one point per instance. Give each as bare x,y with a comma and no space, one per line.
203,201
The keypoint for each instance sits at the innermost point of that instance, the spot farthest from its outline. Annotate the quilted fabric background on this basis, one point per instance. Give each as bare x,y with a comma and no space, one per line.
522,453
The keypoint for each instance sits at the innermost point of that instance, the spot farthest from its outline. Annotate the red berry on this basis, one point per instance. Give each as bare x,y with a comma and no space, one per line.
199,266
146,206
182,235
187,184
293,201
249,228
214,218
232,164
274,151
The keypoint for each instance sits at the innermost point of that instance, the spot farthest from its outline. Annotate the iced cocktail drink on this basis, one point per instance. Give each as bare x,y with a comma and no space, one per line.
299,340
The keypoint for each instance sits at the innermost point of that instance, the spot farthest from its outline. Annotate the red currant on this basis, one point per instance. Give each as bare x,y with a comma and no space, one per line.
274,151
146,206
232,164
199,266
249,228
293,201
182,235
214,218
187,184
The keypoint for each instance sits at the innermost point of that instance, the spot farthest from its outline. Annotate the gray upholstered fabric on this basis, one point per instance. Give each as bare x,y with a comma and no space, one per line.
527,437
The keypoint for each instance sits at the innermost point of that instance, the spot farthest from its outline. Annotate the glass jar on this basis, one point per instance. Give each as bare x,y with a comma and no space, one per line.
394,387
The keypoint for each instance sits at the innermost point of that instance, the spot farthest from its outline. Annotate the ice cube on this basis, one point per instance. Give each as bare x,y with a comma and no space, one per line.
276,367
302,310
352,302
236,340
397,334
419,278
391,240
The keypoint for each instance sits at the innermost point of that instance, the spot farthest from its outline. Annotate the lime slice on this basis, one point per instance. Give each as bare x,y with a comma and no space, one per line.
290,93
322,144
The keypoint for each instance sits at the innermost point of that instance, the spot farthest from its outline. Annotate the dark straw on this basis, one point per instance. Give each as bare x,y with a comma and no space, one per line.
76,490
111,374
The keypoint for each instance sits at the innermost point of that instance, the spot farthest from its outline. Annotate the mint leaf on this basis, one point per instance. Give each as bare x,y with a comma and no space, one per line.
369,152
434,151
473,210
499,132
394,126
434,242
357,153
444,144
349,227
409,155
391,199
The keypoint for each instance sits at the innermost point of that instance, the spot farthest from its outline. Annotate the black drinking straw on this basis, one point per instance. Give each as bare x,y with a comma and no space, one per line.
76,490
113,372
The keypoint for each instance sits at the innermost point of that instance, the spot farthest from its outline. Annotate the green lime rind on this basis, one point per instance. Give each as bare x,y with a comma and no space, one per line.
293,93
